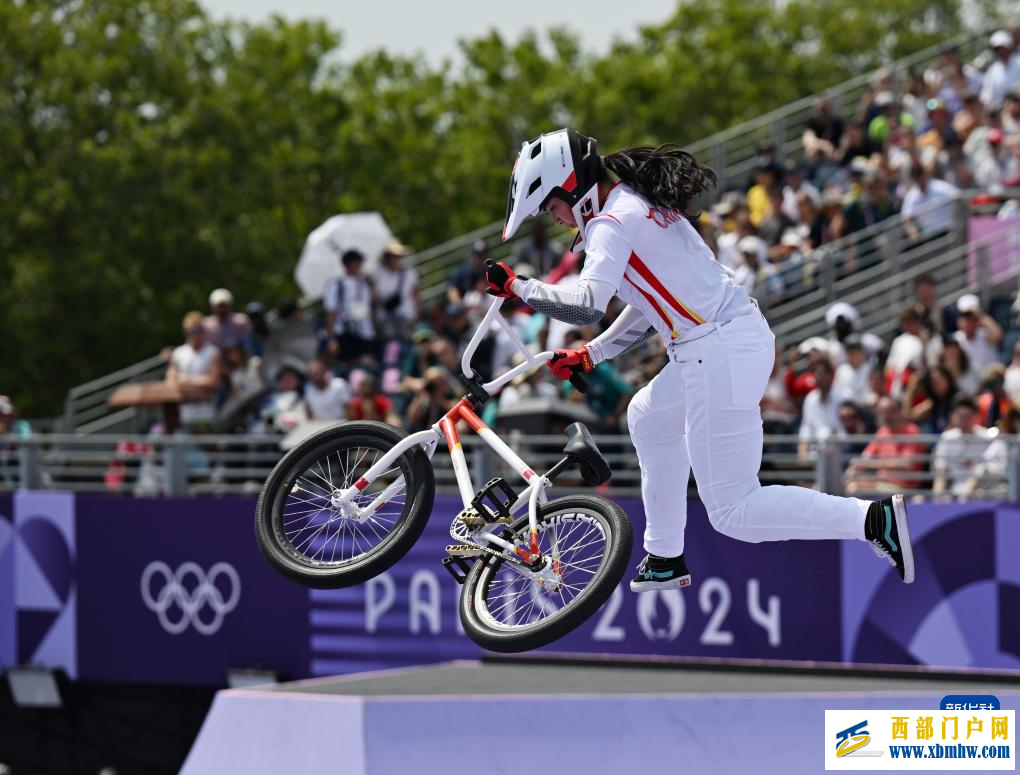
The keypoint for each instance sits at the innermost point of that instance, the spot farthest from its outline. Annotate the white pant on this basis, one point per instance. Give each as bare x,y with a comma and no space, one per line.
702,411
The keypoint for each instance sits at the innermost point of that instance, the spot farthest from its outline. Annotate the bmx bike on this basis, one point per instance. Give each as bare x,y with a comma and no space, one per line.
347,503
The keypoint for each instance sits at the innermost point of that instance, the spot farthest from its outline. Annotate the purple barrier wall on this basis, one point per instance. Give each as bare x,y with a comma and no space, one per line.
1001,251
176,590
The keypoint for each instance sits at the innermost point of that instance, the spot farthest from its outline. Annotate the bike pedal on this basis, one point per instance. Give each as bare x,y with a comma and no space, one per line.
471,518
457,567
463,550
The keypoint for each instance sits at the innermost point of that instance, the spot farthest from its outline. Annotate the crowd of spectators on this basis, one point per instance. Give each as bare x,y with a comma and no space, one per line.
915,142
378,351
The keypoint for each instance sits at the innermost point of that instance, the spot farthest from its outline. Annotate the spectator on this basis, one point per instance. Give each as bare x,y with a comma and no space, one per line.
224,327
531,384
776,222
854,422
888,465
757,275
196,368
432,402
284,408
873,206
915,95
956,168
1011,379
1011,116
469,273
778,412
929,399
979,335
727,244
933,318
955,360
927,206
370,404
824,131
811,225
348,302
9,422
972,116
243,372
906,353
990,477
959,450
758,206
938,135
993,403
795,186
1003,72
326,395
820,412
997,165
397,289
256,342
856,145
842,318
852,376
538,251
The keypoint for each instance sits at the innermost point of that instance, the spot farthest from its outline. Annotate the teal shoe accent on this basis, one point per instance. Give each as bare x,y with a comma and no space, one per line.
655,574
889,517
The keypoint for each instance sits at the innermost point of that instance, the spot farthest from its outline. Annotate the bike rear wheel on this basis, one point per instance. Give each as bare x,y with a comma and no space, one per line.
310,539
587,543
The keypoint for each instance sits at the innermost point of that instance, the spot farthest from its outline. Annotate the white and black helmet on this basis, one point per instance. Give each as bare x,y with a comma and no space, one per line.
564,164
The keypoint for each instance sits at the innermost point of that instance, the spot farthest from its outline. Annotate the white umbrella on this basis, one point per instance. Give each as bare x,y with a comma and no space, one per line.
320,258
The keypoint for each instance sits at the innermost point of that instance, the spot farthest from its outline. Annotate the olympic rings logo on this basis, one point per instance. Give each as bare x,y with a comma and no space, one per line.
190,590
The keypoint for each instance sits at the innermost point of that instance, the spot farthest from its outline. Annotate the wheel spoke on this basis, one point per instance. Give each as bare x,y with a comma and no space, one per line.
510,598
314,530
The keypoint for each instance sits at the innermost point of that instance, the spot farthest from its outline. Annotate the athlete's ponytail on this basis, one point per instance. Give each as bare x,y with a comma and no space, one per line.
668,176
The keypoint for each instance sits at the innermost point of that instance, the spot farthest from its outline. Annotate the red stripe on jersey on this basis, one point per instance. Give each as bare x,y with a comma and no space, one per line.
608,215
655,305
652,280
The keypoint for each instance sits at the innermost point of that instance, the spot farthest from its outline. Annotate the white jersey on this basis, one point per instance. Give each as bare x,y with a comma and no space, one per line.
655,261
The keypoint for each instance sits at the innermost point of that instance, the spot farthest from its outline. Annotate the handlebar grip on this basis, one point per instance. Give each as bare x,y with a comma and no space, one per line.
579,383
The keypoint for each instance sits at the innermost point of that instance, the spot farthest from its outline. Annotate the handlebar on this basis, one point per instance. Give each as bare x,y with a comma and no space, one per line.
492,317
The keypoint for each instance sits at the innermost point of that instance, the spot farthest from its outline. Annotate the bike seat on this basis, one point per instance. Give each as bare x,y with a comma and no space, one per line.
581,449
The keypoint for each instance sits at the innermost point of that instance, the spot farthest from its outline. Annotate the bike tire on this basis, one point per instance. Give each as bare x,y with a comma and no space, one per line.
512,639
270,527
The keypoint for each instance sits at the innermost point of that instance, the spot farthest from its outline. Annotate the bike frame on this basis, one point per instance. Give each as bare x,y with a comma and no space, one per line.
446,429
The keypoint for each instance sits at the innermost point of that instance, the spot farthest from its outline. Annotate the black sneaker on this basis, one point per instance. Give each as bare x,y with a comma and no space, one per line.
885,527
661,573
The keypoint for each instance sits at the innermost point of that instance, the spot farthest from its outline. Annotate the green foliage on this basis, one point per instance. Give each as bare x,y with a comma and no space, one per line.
149,154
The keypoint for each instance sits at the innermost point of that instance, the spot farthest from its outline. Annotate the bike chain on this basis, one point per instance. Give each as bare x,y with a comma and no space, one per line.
460,531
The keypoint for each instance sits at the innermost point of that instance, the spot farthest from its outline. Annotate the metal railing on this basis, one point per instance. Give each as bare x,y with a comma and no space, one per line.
219,465
887,264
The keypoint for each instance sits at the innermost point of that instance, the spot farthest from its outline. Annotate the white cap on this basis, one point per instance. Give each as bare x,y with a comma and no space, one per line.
819,343
791,238
1001,38
220,296
884,98
752,244
841,309
968,303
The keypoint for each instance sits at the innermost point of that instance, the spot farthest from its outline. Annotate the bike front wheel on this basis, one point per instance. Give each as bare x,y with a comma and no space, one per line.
306,532
586,543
